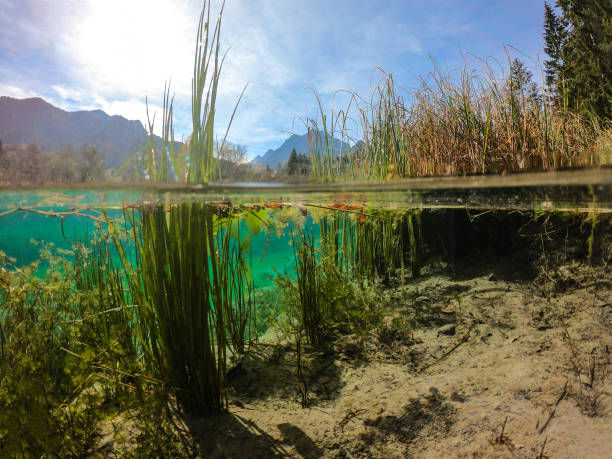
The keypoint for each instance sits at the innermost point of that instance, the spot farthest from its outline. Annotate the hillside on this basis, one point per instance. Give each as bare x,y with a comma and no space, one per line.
35,121
300,142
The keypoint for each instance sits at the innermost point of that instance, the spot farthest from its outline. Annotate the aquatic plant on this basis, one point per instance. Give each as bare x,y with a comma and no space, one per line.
329,293
50,399
379,250
163,163
192,294
327,163
476,121
178,320
374,245
311,316
337,231
204,97
237,286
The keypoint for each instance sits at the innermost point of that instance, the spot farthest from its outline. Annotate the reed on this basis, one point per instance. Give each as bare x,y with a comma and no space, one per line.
159,154
379,250
175,283
338,239
310,312
329,164
237,287
375,245
475,121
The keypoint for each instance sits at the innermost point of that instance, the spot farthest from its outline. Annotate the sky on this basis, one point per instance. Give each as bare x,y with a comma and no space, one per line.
112,54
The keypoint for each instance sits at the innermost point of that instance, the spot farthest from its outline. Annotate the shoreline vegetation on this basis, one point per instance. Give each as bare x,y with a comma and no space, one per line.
486,118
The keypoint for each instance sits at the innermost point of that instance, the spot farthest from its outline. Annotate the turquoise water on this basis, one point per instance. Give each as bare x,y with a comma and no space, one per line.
63,217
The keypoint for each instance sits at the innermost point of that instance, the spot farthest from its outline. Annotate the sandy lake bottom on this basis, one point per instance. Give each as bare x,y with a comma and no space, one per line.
488,368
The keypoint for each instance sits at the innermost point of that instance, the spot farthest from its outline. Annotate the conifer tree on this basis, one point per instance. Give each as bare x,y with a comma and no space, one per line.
554,38
579,43
521,83
292,163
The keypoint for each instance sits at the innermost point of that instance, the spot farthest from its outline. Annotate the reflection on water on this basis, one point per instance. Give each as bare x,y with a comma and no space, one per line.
63,216
571,190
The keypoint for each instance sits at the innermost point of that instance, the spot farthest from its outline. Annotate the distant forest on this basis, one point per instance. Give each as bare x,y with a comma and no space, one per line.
27,165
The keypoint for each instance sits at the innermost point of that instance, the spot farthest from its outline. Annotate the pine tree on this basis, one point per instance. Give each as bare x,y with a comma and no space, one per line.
555,34
585,72
292,163
521,83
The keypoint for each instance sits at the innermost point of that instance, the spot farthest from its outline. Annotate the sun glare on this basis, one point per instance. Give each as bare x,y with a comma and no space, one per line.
135,45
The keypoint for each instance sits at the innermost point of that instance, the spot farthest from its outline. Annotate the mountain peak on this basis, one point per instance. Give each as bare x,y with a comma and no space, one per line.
273,158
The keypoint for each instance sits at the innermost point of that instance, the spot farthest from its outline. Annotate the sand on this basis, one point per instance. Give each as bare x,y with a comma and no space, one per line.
470,366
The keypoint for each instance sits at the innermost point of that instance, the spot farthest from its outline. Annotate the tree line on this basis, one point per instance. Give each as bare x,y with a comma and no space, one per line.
578,43
27,165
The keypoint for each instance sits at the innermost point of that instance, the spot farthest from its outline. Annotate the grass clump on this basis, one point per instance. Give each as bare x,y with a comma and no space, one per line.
192,297
56,351
326,296
480,120
178,318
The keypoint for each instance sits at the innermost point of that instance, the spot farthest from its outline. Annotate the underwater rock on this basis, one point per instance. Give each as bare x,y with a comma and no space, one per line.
448,330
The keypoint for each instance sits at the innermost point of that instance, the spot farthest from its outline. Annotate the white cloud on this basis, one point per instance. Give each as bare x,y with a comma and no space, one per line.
67,93
16,91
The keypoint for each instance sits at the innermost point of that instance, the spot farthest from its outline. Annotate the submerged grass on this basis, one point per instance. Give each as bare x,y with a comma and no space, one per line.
311,316
237,286
191,296
177,287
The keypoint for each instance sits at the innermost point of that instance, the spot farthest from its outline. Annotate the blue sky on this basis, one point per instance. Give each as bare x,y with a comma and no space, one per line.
110,54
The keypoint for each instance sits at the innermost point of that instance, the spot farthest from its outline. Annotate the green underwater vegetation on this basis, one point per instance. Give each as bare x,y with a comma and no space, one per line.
160,305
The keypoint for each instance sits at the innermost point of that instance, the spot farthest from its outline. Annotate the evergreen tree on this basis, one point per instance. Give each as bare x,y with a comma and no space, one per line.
303,164
579,43
292,163
554,38
521,83
92,168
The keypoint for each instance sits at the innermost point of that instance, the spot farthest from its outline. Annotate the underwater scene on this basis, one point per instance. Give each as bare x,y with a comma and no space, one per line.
325,321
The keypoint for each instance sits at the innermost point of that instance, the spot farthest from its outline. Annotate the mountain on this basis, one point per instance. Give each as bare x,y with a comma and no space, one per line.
26,121
300,142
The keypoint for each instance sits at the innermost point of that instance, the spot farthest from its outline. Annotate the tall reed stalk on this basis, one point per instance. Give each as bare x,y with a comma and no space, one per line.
176,283
237,287
327,162
160,156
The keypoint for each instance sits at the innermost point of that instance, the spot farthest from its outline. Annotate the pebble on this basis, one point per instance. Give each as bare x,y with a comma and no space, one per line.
448,330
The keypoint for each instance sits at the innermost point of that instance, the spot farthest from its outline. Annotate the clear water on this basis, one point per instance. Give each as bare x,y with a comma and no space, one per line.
62,216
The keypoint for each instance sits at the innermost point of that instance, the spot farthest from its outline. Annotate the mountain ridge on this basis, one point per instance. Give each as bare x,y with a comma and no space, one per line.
36,121
280,155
